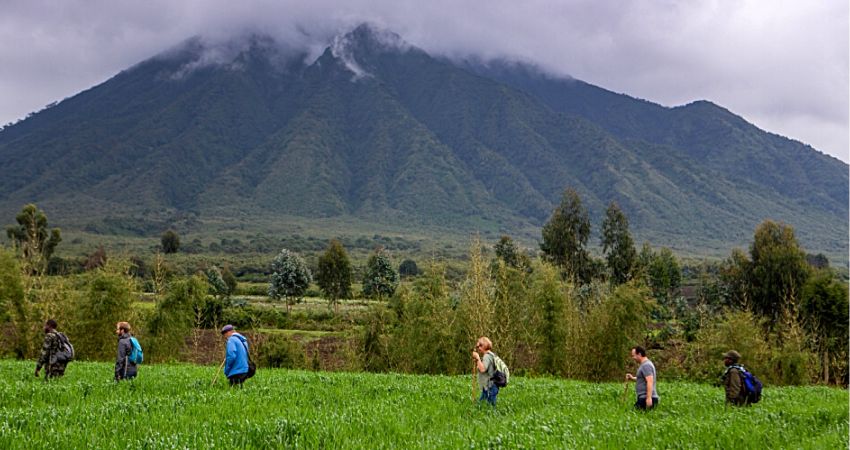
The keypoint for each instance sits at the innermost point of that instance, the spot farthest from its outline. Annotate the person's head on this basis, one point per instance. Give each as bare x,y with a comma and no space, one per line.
50,325
483,345
122,328
638,353
228,331
731,357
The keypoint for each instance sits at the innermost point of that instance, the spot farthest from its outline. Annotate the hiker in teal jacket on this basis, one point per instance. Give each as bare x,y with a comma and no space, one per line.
236,356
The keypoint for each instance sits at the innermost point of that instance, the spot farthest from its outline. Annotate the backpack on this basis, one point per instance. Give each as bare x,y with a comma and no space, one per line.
502,374
752,385
136,354
252,368
66,352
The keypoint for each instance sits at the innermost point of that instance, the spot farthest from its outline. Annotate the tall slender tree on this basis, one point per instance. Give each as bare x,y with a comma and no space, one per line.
290,278
32,238
334,274
380,279
565,237
617,245
778,271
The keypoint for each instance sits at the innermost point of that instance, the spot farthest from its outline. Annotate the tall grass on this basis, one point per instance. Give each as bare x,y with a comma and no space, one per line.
174,406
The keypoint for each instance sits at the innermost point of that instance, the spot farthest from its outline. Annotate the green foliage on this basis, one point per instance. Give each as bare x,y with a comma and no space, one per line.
735,279
173,406
277,350
290,278
777,272
424,339
824,310
408,268
375,343
380,279
229,280
664,277
550,300
334,274
106,301
565,237
215,279
612,328
736,330
14,307
175,317
507,251
617,245
32,238
170,242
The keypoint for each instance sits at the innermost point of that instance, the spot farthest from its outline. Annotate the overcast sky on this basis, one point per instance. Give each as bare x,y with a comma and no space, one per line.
781,64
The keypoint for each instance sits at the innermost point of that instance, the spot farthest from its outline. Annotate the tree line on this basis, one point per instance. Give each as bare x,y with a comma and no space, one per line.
563,311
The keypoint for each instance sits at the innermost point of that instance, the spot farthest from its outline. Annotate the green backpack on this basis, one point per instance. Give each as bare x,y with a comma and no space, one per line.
502,375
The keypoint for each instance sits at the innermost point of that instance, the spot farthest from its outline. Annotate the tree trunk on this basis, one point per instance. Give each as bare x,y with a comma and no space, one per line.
826,366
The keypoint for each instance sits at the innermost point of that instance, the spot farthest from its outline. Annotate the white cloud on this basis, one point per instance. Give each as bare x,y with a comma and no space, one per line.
782,64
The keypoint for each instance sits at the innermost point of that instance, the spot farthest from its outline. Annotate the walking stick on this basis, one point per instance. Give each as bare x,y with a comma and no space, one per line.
215,377
474,369
625,392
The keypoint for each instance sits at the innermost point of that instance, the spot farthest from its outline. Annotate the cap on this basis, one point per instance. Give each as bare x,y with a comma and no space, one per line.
733,355
227,328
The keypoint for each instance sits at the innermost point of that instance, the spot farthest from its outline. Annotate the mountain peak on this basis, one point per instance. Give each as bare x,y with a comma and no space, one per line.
356,48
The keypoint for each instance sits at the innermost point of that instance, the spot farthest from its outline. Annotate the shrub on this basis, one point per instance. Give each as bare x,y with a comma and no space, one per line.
277,350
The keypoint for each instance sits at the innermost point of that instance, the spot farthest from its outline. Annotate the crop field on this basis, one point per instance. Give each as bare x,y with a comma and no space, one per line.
175,406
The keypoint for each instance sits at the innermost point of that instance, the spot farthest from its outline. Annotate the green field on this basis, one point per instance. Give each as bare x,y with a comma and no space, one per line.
175,407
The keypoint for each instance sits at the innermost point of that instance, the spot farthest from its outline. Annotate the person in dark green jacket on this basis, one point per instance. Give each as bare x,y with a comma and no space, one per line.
733,379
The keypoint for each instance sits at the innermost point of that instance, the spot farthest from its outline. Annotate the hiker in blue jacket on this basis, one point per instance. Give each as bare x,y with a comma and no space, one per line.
236,356
124,368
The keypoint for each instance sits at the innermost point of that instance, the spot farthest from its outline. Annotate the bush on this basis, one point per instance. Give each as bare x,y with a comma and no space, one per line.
175,317
106,302
736,330
277,350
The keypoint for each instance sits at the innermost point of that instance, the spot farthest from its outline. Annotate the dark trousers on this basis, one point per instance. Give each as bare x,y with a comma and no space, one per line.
238,379
641,403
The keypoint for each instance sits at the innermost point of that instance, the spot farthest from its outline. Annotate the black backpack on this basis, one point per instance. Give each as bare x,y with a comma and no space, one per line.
66,353
252,368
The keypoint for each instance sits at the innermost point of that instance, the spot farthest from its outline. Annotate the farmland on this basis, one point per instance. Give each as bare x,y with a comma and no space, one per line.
174,406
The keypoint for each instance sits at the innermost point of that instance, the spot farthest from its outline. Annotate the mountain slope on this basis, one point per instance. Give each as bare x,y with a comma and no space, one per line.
378,130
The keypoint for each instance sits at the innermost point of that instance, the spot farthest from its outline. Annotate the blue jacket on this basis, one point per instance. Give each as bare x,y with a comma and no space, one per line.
236,359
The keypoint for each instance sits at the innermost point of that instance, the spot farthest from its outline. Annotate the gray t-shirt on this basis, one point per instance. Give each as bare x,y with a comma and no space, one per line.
490,367
646,369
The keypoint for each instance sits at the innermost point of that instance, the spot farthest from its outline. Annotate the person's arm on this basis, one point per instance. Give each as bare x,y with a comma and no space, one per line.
733,385
478,362
44,358
650,380
630,377
121,358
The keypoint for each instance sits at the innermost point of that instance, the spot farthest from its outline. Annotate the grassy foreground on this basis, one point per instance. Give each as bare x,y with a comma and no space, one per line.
175,407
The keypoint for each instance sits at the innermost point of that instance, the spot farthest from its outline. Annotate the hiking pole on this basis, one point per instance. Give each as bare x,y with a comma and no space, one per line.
625,392
625,386
474,369
215,377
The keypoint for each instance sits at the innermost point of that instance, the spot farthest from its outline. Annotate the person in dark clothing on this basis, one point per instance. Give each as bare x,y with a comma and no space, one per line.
733,379
124,368
49,350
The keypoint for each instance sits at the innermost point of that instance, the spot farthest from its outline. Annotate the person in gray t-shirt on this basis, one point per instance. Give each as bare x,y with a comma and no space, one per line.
645,380
486,367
